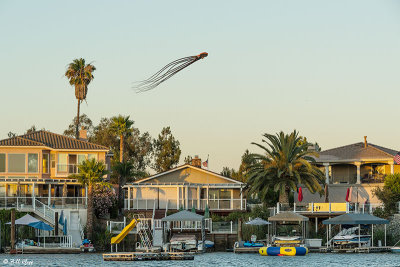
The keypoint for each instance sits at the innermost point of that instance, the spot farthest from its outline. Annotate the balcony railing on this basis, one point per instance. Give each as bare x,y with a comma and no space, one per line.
331,207
26,203
67,169
213,204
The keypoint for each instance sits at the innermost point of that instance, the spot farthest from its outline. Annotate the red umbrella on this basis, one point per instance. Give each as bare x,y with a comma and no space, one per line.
300,195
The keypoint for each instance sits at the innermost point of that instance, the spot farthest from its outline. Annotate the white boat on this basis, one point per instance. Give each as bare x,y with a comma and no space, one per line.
349,237
395,249
183,242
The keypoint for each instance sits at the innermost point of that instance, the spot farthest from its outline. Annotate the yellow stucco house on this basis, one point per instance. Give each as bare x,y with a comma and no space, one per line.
186,187
36,166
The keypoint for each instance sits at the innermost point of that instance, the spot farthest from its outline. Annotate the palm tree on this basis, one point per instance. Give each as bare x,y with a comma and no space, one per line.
80,75
123,170
285,164
91,173
121,126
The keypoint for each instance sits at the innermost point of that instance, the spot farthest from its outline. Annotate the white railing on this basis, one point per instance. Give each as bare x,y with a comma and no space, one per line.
330,207
66,169
44,211
26,203
64,241
213,204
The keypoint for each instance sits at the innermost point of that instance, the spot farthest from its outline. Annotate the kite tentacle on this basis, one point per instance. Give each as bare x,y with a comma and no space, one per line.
167,72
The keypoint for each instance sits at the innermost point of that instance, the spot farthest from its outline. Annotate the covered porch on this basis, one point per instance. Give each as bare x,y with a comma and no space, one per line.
174,196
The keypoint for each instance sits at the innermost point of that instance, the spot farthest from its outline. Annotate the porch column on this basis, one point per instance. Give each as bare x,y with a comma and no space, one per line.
326,172
358,164
177,197
231,199
198,197
186,197
391,167
241,198
129,198
49,199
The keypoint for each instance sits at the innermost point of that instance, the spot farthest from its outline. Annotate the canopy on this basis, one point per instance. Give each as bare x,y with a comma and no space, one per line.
183,215
288,216
356,218
258,221
41,225
25,220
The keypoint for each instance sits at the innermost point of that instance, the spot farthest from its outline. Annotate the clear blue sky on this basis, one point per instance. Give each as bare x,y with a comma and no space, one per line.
329,69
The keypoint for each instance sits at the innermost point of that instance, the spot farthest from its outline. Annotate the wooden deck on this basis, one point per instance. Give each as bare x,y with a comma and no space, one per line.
246,249
143,256
355,250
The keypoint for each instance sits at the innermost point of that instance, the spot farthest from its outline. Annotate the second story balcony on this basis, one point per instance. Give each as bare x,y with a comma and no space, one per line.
64,170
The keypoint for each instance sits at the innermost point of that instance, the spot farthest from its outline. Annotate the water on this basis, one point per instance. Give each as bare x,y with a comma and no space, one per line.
210,259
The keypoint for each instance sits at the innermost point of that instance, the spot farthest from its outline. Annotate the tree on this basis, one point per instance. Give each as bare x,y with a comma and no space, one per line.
285,164
188,160
121,126
166,151
11,134
84,121
31,130
91,173
389,194
79,75
123,170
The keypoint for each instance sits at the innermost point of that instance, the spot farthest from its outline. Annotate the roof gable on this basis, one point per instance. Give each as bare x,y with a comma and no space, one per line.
188,174
356,151
51,140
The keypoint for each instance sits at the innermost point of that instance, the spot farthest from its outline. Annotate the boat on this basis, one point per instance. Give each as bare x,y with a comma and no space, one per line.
87,246
395,249
287,241
207,243
283,251
183,242
349,237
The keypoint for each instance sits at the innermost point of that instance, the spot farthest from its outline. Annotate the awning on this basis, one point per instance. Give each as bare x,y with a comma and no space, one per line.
288,216
41,225
356,218
183,215
25,220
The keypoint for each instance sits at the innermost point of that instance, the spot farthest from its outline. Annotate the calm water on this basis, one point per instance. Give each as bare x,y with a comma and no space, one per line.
210,259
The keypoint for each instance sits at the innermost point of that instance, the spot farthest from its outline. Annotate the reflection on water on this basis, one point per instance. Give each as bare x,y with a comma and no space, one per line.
211,259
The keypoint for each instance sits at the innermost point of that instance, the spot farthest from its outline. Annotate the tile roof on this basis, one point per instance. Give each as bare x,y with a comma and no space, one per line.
52,140
356,151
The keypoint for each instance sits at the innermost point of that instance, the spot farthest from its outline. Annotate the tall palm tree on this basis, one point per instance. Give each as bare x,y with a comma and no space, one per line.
121,126
80,75
123,170
285,164
91,173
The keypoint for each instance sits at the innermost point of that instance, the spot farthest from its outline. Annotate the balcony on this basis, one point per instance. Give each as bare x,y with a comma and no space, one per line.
64,170
27,203
173,204
329,208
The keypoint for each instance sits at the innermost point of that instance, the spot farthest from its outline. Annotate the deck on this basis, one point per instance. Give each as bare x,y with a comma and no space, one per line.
355,250
143,256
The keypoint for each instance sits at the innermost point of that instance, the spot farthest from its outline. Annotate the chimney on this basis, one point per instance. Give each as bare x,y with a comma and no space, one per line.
365,142
83,134
196,162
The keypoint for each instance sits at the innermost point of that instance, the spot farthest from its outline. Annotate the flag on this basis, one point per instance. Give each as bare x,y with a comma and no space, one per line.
205,164
300,196
397,158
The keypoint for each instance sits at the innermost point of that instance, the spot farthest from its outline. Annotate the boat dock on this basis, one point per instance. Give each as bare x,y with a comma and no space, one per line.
355,250
246,249
147,256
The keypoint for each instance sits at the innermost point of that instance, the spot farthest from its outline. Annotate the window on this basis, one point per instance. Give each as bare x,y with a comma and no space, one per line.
53,160
62,163
81,158
45,163
92,156
12,190
2,162
16,162
33,162
2,190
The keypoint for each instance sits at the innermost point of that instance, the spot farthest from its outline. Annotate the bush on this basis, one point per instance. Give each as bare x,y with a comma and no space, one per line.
104,199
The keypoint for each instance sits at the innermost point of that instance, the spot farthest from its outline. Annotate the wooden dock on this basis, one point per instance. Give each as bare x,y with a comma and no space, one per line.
246,249
355,250
147,256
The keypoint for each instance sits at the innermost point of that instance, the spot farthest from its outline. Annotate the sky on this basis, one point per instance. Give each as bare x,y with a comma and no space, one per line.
328,69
